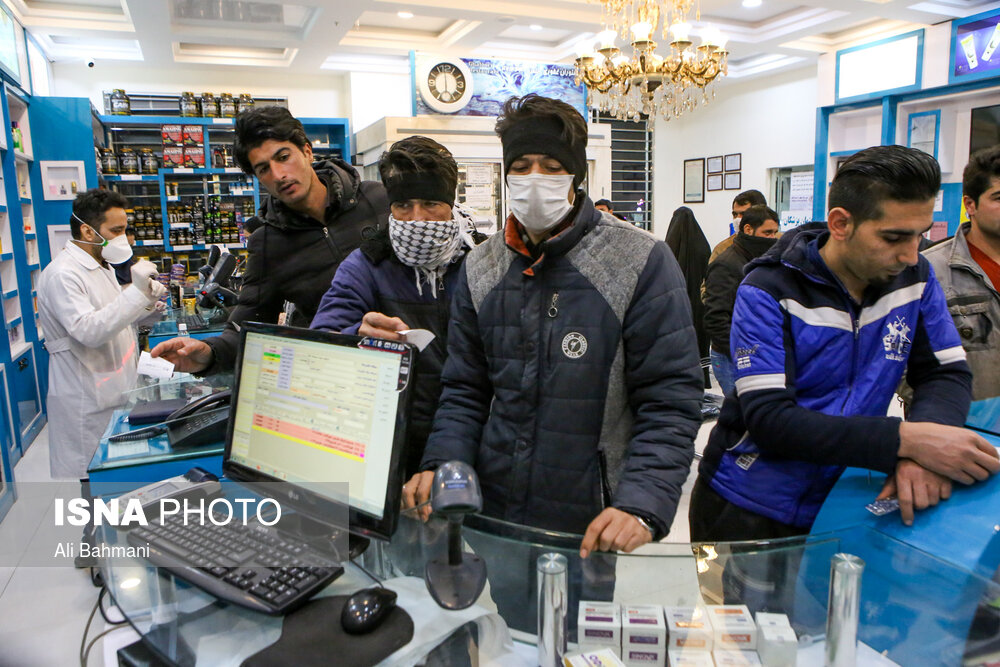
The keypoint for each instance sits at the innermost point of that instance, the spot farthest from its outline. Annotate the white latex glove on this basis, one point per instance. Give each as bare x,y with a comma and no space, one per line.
157,291
144,278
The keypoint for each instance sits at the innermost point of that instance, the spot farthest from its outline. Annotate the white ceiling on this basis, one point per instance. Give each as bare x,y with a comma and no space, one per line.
368,35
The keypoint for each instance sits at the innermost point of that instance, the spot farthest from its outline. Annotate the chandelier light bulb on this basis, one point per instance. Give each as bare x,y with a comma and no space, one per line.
607,38
681,31
710,36
641,31
584,48
721,41
619,60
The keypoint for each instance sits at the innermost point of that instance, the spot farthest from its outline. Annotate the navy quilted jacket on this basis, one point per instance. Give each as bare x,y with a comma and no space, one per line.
572,377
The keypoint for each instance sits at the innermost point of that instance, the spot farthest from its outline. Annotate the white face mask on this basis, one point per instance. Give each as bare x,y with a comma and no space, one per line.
114,251
540,201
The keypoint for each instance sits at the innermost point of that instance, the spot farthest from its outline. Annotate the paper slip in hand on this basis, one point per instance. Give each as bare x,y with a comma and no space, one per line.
419,337
154,368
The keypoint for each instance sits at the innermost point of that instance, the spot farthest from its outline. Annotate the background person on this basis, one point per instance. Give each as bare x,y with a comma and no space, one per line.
87,320
758,232
312,218
691,249
404,276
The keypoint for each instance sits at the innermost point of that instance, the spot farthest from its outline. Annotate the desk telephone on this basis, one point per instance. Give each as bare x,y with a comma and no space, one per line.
200,422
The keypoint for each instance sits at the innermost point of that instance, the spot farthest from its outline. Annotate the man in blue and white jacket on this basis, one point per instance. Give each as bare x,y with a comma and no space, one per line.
824,326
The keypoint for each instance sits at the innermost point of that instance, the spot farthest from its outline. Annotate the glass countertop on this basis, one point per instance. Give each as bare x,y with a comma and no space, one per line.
915,609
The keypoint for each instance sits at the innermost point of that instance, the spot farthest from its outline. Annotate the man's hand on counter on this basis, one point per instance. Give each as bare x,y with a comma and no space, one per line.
957,453
614,530
916,487
188,355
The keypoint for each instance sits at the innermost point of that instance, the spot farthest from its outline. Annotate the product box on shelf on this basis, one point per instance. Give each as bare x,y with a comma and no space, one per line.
734,658
599,624
194,135
601,657
765,618
644,635
777,646
194,156
172,135
679,657
173,156
732,626
688,628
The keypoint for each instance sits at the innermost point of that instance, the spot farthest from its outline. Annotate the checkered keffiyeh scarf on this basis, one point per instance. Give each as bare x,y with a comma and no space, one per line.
430,246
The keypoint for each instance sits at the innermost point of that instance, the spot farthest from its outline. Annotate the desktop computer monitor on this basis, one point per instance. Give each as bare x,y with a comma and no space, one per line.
319,419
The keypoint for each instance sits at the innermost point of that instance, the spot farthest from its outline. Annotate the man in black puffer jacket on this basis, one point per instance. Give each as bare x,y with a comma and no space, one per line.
313,218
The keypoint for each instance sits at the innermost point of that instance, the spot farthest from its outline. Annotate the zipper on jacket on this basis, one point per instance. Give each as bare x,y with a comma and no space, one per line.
553,309
329,242
856,326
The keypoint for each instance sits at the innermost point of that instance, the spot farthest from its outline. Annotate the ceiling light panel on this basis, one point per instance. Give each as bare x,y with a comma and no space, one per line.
425,24
240,13
219,54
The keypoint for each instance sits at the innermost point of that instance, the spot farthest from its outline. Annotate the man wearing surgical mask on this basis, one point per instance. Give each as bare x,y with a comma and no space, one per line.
403,276
87,319
572,382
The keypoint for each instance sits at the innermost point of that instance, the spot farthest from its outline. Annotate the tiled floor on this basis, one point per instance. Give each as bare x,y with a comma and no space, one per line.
43,610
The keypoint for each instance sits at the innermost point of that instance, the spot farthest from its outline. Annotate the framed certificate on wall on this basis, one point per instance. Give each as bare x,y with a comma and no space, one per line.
694,181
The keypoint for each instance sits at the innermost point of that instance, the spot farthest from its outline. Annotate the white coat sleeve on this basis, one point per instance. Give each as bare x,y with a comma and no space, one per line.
70,305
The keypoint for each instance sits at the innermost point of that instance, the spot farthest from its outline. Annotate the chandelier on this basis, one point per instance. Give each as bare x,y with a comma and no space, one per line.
647,82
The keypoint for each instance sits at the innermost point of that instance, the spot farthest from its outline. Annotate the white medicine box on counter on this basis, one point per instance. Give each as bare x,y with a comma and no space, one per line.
688,628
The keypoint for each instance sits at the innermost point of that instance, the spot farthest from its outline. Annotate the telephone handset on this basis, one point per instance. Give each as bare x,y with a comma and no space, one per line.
202,404
200,422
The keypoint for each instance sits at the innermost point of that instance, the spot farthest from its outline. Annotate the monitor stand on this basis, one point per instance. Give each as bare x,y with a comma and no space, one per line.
321,536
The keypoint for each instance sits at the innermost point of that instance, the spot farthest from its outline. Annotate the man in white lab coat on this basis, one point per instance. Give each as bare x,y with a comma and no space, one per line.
87,320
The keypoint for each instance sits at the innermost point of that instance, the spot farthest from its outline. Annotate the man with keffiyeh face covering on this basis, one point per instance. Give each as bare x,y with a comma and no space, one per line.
403,277
572,382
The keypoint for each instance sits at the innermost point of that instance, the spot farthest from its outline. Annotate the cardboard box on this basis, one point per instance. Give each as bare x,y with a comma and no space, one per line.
194,135
644,635
777,646
732,626
730,658
172,135
617,650
678,657
688,628
173,156
194,156
593,658
764,618
599,623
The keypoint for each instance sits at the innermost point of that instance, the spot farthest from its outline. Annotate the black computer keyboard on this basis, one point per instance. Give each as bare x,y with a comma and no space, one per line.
248,565
193,322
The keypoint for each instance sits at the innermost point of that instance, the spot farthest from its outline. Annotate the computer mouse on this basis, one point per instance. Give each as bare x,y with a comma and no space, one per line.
366,609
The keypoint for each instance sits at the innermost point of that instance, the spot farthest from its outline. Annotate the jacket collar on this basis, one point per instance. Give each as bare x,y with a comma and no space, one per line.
961,258
81,256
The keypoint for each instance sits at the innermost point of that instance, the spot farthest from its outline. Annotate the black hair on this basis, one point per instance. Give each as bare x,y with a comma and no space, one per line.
604,202
257,125
983,167
752,197
89,207
534,121
419,155
757,215
873,175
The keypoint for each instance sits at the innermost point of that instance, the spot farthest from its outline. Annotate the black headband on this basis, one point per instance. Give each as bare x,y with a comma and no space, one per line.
418,185
544,135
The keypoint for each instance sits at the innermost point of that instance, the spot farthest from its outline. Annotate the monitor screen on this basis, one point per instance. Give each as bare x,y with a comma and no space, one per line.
313,408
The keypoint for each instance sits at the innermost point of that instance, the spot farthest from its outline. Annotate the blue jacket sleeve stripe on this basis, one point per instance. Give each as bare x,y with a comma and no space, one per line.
951,355
890,302
758,382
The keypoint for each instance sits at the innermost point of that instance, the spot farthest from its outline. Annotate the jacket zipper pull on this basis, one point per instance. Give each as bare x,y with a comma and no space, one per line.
553,311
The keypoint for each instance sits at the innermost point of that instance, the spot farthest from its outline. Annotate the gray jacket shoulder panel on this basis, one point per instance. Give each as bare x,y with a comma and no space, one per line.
486,265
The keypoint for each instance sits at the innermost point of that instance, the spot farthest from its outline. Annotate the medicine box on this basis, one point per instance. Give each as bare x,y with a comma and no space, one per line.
644,635
765,618
603,657
194,156
679,657
599,624
777,645
173,156
194,135
730,658
732,626
172,135
688,627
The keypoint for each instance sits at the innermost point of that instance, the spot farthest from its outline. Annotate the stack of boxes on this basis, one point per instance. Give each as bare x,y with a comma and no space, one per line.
183,146
702,636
